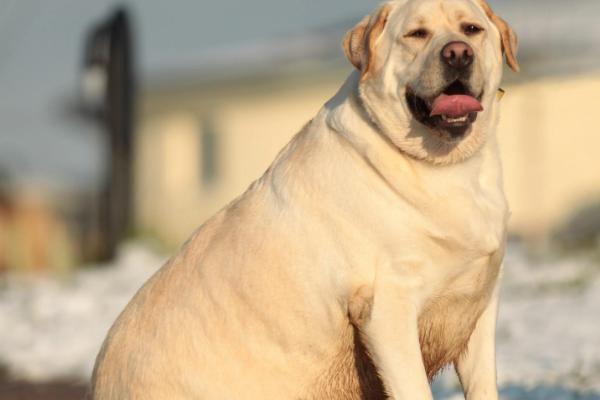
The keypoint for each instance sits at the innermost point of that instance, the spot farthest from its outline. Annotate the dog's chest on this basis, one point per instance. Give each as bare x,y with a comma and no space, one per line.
450,314
462,252
466,222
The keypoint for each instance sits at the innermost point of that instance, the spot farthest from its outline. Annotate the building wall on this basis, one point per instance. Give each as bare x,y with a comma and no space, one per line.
547,133
549,138
172,197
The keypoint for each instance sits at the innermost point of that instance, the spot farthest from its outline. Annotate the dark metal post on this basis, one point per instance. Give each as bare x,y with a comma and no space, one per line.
109,54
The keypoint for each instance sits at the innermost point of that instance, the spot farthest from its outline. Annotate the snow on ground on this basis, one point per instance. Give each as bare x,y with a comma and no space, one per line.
548,331
53,328
549,323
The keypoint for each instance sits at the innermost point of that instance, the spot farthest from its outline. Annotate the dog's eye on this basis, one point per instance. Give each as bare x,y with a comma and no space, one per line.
420,33
471,29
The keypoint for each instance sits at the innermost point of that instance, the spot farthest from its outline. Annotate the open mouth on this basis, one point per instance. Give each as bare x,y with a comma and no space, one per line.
451,113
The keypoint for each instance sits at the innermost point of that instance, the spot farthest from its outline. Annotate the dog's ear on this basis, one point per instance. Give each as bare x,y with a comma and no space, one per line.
360,43
510,42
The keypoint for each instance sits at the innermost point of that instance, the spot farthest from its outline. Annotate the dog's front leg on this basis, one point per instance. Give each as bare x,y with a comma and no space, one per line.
391,334
476,368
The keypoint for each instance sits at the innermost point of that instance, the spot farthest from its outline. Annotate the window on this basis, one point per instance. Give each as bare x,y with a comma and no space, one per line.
208,153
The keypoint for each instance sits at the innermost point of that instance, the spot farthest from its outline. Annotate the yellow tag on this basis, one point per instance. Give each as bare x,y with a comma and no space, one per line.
500,94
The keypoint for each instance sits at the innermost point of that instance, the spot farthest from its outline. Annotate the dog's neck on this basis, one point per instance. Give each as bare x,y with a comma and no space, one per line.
346,115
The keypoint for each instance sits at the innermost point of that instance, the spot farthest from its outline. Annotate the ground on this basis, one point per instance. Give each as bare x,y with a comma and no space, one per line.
548,330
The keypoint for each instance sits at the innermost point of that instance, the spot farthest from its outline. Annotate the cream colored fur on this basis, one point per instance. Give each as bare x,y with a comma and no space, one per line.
364,260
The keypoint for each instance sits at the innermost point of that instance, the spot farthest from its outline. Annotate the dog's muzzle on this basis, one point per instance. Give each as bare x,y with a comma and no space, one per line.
453,109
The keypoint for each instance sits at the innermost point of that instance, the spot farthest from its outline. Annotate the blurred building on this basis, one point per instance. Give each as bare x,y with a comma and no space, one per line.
204,140
206,134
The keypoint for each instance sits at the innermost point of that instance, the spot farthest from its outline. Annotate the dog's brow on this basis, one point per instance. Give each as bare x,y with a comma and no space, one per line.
460,15
418,22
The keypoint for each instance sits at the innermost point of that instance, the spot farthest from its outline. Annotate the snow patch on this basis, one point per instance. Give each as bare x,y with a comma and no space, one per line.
53,328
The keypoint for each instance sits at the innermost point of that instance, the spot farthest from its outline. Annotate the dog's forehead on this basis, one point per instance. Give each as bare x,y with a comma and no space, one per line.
424,12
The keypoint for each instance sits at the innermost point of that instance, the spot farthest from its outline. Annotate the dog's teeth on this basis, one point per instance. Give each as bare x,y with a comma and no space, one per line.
455,120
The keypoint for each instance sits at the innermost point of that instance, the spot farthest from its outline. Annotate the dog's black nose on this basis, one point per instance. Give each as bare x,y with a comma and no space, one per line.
457,55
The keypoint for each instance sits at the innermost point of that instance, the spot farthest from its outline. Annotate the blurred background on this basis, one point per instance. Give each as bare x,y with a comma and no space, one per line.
124,125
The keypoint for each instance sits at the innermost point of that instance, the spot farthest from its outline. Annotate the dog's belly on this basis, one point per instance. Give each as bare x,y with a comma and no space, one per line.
445,328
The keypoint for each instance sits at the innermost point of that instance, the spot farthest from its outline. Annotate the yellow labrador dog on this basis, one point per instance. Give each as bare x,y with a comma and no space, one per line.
366,258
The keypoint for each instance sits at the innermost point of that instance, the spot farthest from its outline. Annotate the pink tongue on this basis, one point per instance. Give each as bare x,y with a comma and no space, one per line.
455,106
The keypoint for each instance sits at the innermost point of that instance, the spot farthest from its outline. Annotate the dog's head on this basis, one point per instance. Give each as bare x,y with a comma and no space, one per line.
430,71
